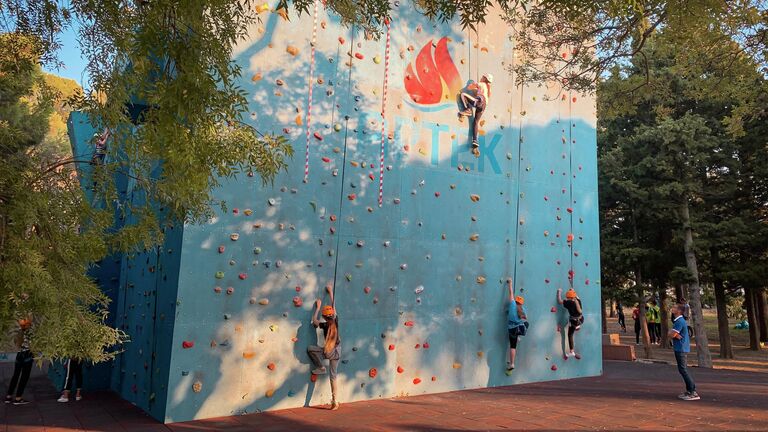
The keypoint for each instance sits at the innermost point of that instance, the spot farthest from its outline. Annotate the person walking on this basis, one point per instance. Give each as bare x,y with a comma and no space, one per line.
681,343
22,367
620,313
636,317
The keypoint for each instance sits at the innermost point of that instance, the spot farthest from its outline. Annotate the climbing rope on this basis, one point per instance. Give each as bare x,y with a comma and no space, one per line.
383,118
311,84
571,274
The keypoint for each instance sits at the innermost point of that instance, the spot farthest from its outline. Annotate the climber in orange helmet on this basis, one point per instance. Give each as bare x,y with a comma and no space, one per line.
476,96
572,304
517,323
331,349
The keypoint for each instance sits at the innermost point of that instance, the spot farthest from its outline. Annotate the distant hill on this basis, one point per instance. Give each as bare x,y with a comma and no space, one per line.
57,141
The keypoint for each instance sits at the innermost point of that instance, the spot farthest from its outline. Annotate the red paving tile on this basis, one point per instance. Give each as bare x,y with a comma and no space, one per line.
629,396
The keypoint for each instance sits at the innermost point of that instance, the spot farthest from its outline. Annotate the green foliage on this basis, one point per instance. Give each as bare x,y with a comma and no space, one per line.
48,234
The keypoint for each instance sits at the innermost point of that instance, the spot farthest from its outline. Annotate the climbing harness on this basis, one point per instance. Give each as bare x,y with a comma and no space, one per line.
311,83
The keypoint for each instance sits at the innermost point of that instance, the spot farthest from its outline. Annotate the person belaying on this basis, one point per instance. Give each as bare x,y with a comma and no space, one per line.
517,323
74,375
572,304
476,96
331,349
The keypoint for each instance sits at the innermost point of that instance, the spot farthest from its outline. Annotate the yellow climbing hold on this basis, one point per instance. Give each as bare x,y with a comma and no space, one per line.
299,121
457,365
269,393
273,328
480,280
292,50
474,237
262,8
377,59
256,77
247,212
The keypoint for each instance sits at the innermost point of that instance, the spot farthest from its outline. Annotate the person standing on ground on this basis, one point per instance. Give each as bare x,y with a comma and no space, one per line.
517,324
681,344
657,320
651,318
22,367
74,374
572,304
331,349
476,96
620,313
636,317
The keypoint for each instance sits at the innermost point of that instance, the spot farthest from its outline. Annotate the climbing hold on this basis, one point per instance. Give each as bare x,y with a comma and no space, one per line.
313,378
359,56
457,365
360,243
351,197
264,302
187,344
553,310
417,346
197,387
230,290
247,212
318,136
279,82
256,77
391,347
217,289
419,289
480,354
243,276
367,289
249,355
234,236
474,197
372,372
337,127
416,380
297,301
437,194
387,243
257,250
400,369
554,367
425,345
227,316
273,328
271,201
434,378
271,366
377,59
403,266
408,323
221,249
341,40
292,50
269,393
474,237
219,275
480,280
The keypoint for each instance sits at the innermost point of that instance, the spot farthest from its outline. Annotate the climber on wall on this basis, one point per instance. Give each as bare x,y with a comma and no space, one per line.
517,323
331,349
476,96
572,304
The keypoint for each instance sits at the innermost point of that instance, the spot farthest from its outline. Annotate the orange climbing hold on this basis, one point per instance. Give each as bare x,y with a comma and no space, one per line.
292,50
249,355
416,380
271,366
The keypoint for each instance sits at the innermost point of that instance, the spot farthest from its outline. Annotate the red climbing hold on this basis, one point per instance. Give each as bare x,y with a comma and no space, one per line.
359,56
367,289
417,346
341,40
235,210
313,378
372,372
437,194
326,159
426,345
553,310
333,218
221,249
370,176
351,197
391,347
187,344
297,301
554,367
298,288
271,366
408,323
400,369
569,210
434,378
243,276
416,380
318,136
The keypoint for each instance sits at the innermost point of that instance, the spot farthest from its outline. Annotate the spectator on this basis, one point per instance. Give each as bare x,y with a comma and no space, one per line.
22,368
681,344
74,374
636,317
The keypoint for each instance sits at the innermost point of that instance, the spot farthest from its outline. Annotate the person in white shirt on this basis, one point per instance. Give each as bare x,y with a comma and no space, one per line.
476,96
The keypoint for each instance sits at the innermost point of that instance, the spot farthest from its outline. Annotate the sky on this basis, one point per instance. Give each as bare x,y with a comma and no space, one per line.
69,54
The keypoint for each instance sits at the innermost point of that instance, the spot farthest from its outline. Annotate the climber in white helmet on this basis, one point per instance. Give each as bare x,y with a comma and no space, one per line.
476,96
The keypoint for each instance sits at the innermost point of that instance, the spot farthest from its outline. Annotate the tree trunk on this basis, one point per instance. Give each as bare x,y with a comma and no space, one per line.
664,314
702,344
762,315
603,317
721,302
680,293
612,309
749,303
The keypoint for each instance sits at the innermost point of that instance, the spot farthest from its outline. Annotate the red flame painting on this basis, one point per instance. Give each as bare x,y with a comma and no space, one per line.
435,79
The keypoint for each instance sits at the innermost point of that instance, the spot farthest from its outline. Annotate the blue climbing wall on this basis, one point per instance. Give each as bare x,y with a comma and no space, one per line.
419,281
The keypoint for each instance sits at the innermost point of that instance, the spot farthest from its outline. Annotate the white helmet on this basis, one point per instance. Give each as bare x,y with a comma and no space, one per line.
488,77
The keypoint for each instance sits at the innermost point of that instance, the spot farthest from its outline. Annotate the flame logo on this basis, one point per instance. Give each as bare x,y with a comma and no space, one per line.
435,79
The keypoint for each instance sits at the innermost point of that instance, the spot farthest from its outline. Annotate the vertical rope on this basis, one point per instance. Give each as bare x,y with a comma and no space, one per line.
383,118
311,84
571,273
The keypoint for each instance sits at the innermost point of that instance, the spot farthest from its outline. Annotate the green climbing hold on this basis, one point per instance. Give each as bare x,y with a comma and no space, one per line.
219,275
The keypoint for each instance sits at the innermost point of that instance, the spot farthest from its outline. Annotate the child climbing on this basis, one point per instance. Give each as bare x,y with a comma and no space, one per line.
331,349
476,96
572,304
74,374
517,324
23,365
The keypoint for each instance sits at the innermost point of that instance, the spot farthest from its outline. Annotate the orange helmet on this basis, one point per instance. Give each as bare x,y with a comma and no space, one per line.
328,310
519,300
25,323
571,294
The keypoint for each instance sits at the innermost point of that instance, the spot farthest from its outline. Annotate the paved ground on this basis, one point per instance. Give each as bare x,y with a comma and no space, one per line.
629,396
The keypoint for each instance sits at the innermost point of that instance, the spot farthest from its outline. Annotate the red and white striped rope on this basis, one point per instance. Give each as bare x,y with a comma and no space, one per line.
383,118
311,84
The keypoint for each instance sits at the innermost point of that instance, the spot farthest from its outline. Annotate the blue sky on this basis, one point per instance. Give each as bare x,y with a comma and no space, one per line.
69,54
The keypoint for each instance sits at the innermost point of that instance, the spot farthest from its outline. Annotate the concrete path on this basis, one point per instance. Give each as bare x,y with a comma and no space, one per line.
629,396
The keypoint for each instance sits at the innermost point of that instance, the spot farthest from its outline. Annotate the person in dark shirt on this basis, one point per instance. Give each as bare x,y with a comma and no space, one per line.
331,349
517,324
636,317
572,304
22,368
620,313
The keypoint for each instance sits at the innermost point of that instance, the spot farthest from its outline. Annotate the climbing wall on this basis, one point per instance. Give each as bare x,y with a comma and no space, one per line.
418,277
